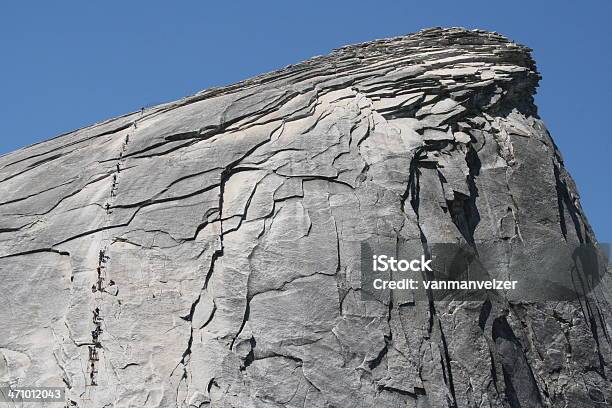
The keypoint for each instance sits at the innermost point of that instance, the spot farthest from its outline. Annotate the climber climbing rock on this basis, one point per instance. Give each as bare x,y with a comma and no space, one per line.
92,374
93,354
99,283
95,335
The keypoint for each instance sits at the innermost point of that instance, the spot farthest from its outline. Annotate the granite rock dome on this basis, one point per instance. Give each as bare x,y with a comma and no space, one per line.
206,252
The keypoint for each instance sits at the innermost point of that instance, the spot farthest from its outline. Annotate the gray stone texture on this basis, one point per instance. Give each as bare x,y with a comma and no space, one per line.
205,252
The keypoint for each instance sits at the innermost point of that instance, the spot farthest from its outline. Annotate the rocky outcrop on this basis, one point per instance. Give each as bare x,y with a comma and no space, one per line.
206,252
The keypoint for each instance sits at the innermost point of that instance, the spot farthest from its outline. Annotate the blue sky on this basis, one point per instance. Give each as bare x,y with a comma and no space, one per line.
67,64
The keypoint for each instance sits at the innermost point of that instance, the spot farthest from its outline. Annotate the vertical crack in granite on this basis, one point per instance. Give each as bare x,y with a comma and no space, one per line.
221,234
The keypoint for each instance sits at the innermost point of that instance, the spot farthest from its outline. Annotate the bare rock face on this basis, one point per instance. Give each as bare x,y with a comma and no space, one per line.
206,252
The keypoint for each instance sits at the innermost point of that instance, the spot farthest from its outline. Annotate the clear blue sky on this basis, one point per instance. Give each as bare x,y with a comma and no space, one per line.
67,64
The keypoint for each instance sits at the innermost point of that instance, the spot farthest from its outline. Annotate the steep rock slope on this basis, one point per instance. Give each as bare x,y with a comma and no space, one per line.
206,252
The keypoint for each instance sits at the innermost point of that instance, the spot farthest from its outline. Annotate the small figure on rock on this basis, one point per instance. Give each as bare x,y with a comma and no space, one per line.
97,319
93,354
